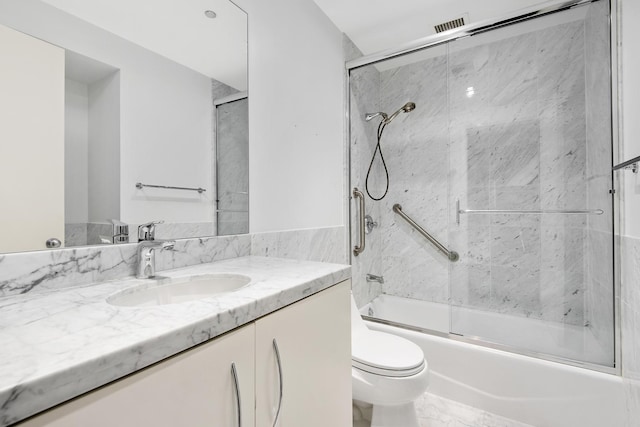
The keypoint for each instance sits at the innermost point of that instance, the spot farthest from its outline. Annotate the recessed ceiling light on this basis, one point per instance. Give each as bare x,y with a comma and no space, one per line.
210,14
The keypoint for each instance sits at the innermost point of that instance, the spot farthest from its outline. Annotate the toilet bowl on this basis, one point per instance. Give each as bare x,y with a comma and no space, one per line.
388,372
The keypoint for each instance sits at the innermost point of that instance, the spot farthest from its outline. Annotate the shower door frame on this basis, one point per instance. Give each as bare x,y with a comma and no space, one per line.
479,28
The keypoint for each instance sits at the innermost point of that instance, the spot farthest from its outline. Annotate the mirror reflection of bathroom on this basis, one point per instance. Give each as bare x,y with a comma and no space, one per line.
232,165
125,118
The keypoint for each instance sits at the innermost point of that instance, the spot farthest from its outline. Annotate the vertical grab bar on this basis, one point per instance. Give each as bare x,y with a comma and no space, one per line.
358,249
236,386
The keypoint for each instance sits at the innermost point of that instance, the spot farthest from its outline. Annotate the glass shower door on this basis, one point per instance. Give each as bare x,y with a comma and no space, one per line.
530,180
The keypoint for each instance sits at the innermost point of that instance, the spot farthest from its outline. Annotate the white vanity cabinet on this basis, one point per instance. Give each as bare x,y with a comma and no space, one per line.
314,344
196,388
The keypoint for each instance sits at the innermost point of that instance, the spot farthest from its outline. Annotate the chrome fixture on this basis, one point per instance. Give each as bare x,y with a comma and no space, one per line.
374,278
236,388
370,116
53,243
631,165
452,255
146,256
140,185
148,231
280,381
358,249
120,232
406,108
386,119
369,224
524,211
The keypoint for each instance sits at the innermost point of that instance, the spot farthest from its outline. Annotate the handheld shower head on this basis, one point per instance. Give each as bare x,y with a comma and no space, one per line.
370,116
406,108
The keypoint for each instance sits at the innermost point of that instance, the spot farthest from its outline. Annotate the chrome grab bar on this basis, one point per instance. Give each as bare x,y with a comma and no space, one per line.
140,185
452,255
279,362
358,249
236,386
629,164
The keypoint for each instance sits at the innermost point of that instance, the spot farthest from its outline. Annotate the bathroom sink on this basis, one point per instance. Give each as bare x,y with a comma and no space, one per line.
177,290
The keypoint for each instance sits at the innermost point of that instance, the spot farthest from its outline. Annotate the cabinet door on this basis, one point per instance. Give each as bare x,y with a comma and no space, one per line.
314,342
31,141
192,389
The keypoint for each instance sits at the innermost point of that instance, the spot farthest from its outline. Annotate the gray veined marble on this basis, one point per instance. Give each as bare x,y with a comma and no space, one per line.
516,119
41,271
57,345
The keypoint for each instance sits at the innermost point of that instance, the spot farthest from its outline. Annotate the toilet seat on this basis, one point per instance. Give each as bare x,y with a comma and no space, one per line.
384,354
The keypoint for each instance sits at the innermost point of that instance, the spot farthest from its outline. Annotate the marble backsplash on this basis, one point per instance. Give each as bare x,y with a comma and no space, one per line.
314,244
43,271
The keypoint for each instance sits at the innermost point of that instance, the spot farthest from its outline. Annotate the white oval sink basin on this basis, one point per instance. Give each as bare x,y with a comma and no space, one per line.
179,290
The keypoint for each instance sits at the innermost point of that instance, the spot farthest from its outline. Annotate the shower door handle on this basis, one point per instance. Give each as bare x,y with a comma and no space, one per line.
358,249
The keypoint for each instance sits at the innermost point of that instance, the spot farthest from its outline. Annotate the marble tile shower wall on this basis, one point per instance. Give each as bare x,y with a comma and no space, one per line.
599,231
630,325
232,164
365,98
520,143
499,125
416,152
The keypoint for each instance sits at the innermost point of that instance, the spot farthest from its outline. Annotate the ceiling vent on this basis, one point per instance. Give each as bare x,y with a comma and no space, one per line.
450,25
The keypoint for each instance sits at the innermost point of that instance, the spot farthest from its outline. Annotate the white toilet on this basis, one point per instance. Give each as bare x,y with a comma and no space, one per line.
388,372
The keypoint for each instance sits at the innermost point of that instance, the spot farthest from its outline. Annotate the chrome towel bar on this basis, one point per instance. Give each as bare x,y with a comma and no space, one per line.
452,255
524,211
140,185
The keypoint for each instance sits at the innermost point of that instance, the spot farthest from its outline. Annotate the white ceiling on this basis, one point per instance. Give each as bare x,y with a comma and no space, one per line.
375,25
177,30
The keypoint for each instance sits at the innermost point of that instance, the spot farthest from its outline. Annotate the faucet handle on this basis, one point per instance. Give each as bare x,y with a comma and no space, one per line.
148,231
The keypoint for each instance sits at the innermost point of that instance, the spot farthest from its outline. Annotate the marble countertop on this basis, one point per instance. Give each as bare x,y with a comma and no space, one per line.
57,345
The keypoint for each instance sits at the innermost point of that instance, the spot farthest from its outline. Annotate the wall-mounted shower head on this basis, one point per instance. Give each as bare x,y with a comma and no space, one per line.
406,108
370,116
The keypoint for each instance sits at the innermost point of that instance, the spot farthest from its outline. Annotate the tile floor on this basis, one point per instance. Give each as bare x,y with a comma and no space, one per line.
435,411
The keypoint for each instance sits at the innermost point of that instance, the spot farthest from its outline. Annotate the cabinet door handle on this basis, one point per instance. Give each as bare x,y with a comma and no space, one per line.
236,386
279,363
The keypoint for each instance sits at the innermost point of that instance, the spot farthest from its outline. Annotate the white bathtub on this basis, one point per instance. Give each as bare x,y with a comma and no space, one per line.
526,389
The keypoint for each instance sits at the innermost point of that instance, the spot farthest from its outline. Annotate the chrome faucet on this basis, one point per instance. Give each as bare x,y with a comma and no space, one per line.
148,231
146,255
374,278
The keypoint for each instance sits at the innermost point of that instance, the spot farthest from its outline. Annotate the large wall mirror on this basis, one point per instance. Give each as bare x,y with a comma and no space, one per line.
117,113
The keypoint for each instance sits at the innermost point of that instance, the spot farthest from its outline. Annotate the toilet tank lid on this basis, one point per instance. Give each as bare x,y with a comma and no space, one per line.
386,351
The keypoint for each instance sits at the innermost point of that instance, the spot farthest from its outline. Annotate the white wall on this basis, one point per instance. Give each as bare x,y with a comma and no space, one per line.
103,158
296,78
165,113
76,140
